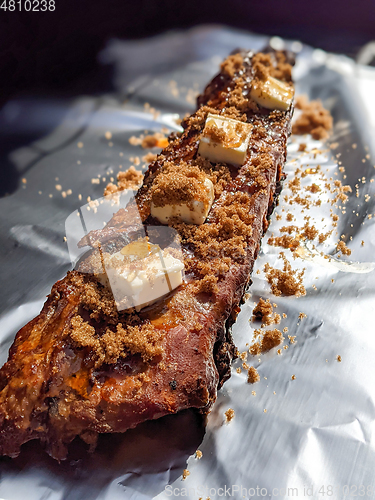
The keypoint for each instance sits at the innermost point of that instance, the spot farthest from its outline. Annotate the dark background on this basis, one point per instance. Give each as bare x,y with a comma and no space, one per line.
56,52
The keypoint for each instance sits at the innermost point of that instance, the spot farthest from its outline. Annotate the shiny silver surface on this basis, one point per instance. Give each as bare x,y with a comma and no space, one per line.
316,438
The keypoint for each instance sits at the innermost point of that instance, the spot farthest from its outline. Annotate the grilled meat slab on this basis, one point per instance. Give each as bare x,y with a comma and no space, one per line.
81,367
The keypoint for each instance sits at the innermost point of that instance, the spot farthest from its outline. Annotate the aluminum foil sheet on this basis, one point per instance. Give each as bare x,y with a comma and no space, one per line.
308,430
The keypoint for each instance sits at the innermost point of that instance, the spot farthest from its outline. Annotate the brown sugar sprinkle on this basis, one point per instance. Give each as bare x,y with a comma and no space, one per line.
243,356
143,340
222,242
341,247
178,183
270,339
286,282
185,474
136,160
198,454
229,415
289,217
157,140
314,120
263,67
232,64
302,315
252,375
314,188
338,357
149,157
293,377
263,311
233,133
129,179
284,241
302,147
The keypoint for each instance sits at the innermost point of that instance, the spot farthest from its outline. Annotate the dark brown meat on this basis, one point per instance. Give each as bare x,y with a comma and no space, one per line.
55,387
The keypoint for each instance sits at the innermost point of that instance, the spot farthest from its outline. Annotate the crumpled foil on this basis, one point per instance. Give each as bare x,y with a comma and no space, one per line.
308,430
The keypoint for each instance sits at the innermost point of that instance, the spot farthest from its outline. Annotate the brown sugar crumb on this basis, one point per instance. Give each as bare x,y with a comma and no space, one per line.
108,348
293,377
263,311
338,357
185,474
284,241
219,244
289,217
157,140
198,454
341,247
252,375
270,339
233,133
229,415
302,316
243,356
285,282
136,160
314,120
149,158
130,179
232,64
302,147
314,188
362,243
136,141
178,183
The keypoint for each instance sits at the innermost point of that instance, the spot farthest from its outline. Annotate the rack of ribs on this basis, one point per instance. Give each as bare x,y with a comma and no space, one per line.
86,366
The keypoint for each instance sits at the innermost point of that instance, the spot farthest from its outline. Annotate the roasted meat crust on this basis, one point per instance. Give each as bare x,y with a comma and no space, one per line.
54,389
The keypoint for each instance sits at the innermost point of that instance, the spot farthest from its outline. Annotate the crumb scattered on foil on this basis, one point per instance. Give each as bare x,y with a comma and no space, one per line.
252,375
229,415
314,119
157,140
129,179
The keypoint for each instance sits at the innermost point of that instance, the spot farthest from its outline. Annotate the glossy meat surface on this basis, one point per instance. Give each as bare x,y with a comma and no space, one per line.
55,388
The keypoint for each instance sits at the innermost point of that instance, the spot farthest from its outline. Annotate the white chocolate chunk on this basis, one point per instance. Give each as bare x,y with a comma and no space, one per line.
272,94
224,140
138,280
194,212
